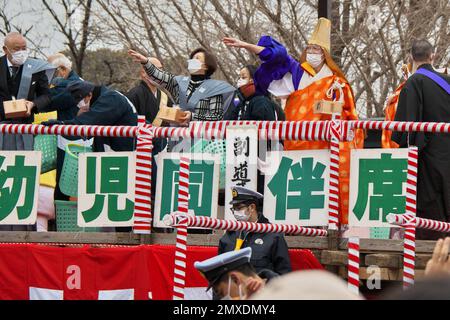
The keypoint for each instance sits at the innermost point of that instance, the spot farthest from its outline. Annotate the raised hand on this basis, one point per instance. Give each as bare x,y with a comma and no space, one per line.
439,264
252,286
137,57
236,43
233,42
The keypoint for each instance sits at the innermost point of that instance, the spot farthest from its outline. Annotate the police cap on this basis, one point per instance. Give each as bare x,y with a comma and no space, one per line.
213,269
242,195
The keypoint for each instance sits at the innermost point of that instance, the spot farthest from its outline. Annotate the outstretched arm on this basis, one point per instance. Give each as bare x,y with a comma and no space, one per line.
162,78
276,64
236,43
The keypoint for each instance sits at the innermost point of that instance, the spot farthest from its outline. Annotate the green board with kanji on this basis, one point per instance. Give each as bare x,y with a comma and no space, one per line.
106,189
19,190
203,186
377,186
296,187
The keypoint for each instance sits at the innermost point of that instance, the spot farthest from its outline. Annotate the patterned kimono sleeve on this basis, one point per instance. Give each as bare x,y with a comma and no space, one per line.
209,110
163,79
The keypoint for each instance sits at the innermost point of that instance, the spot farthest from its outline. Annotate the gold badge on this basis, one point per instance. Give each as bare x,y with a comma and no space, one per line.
234,193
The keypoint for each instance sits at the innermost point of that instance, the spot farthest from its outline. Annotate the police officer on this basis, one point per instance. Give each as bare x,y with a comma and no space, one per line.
270,251
99,105
231,276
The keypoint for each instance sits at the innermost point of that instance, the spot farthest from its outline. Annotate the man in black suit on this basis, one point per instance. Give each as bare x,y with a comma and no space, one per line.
35,90
12,76
426,98
147,97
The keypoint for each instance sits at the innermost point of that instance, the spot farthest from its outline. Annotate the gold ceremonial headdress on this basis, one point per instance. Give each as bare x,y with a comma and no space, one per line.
322,36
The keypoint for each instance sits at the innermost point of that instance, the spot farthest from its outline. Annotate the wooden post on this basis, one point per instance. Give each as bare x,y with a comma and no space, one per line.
324,9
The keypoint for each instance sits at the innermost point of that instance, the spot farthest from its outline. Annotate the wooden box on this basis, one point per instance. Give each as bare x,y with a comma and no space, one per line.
15,109
328,107
169,114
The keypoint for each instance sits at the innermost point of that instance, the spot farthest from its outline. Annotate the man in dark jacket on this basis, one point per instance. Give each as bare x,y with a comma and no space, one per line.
426,98
147,97
31,85
62,101
101,106
269,250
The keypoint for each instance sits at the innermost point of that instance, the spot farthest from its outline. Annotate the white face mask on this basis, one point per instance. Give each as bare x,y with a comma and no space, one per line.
194,66
241,215
82,105
314,59
228,296
19,57
242,82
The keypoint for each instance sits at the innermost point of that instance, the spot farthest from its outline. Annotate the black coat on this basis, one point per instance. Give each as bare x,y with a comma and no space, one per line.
109,108
269,250
61,100
39,89
255,108
422,100
146,103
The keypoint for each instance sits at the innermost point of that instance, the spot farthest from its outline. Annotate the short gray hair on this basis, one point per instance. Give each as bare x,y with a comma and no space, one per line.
60,60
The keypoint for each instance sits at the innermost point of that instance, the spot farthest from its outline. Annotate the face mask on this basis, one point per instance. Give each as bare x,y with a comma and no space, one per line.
314,59
242,82
194,66
82,105
241,215
228,296
19,57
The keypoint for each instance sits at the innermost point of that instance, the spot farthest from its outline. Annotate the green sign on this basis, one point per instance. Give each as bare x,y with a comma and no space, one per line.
297,187
203,186
19,187
377,185
106,189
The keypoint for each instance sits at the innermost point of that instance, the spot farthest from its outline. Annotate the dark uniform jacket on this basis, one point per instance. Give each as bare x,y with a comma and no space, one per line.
9,87
109,108
269,250
423,100
61,100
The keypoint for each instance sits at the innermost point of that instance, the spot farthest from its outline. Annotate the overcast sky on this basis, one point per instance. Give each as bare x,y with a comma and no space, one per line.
26,14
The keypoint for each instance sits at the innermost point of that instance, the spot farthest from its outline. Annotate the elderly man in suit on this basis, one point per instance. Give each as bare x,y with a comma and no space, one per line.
22,78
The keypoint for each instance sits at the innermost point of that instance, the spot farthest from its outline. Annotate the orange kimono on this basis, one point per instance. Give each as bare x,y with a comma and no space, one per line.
284,76
299,107
389,115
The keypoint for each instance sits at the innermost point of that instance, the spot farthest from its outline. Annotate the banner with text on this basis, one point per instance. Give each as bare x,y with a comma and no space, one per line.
296,187
203,186
377,186
106,189
241,160
19,187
